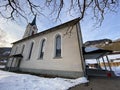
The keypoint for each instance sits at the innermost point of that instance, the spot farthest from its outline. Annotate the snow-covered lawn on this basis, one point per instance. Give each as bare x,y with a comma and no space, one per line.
2,66
13,81
115,69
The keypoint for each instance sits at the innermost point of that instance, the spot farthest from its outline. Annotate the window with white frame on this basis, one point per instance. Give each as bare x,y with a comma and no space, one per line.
31,47
42,50
22,49
16,49
58,46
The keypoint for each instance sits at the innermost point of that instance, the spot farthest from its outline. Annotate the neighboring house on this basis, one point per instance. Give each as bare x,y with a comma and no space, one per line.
97,42
56,51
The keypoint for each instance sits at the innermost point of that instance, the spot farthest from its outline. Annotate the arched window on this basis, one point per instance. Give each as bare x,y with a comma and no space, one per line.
58,46
31,47
22,49
16,50
42,49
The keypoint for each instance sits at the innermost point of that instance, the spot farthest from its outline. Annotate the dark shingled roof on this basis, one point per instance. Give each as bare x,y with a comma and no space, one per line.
34,21
101,41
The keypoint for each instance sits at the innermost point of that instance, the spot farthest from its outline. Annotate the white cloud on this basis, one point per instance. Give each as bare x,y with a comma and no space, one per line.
109,28
9,32
12,28
5,39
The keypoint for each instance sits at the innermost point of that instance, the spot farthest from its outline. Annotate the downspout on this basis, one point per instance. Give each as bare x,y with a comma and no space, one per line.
80,42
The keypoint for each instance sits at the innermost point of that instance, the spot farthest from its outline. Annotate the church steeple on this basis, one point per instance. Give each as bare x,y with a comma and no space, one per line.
31,28
34,21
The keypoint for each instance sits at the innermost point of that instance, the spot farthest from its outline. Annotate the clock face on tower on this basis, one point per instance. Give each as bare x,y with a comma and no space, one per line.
34,27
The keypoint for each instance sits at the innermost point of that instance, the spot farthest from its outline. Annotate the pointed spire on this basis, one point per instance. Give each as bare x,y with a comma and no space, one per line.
34,21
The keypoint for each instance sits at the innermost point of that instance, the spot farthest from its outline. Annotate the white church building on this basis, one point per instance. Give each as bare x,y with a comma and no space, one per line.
56,51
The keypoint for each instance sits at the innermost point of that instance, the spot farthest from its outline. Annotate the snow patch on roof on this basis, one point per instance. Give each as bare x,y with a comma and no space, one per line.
90,49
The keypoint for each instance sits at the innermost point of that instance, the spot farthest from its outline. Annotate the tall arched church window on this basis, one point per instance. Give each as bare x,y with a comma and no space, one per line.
42,49
58,46
16,50
22,49
31,47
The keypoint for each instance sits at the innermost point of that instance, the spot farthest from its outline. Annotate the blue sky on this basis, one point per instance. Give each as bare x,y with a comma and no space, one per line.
110,28
11,31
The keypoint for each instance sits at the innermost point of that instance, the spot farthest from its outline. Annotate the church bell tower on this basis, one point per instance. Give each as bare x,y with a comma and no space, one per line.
31,28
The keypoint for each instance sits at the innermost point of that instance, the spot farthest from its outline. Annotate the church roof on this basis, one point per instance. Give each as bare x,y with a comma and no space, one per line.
34,21
69,23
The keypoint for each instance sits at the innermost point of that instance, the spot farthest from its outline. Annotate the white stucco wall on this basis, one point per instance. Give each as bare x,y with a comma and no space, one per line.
70,53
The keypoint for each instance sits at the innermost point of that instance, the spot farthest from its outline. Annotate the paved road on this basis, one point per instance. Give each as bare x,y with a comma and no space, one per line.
100,83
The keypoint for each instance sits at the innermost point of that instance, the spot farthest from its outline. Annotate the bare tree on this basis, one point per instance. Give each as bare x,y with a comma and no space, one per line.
10,9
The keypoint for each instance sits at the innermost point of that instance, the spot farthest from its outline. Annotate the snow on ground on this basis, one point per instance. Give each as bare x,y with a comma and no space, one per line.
115,69
90,49
13,81
2,66
90,61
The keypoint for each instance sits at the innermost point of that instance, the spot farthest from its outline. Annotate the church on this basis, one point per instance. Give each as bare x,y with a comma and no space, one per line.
56,51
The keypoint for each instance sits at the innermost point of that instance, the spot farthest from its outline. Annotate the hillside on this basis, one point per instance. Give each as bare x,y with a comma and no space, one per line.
4,53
